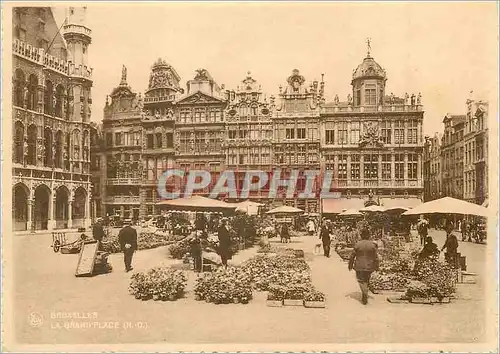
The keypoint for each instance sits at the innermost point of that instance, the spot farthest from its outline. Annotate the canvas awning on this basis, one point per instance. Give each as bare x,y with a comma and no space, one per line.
407,203
197,203
336,206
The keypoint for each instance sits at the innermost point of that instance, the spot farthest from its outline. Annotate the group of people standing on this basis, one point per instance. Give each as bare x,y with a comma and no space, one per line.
224,247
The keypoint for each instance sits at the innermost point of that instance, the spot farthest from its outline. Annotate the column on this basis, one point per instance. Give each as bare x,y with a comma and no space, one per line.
29,220
51,222
379,174
393,169
122,211
70,214
87,219
406,169
419,171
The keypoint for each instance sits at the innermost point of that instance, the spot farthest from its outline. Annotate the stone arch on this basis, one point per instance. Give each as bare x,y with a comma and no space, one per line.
48,107
47,142
19,84
32,92
61,205
41,207
18,142
20,199
254,109
30,152
59,95
79,208
58,143
243,110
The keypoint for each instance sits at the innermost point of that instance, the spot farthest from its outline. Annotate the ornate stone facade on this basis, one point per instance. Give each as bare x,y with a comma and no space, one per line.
51,129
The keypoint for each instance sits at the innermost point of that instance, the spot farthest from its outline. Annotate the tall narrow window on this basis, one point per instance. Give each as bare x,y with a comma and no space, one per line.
355,132
386,167
399,169
386,132
370,97
355,170
370,166
342,167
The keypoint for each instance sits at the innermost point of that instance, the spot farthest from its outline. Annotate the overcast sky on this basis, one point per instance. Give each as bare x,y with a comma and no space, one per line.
443,50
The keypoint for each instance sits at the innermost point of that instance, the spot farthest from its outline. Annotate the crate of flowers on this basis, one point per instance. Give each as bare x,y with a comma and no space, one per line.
345,253
276,295
314,298
294,295
158,284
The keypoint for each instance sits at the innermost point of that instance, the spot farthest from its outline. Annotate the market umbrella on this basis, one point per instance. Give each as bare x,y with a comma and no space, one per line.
396,208
248,207
350,212
285,209
373,208
197,203
448,205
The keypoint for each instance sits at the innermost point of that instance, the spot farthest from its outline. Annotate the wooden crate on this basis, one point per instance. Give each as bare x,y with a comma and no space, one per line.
274,303
289,302
314,304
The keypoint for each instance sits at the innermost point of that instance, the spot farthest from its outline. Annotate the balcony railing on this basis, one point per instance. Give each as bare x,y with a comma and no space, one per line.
123,200
123,181
368,109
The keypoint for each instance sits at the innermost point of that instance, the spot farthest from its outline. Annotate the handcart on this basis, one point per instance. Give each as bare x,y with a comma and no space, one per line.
60,243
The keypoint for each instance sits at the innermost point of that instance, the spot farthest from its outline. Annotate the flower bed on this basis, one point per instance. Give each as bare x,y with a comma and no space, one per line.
344,253
158,284
224,286
387,282
439,277
145,240
281,269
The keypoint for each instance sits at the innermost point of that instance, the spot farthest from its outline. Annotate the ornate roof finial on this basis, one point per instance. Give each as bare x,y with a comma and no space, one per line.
124,76
369,46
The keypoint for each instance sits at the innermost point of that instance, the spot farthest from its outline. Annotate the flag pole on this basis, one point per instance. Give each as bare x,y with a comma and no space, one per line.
60,28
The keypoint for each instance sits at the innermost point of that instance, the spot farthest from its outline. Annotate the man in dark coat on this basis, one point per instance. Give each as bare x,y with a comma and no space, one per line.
224,242
324,236
128,243
451,246
364,260
195,250
98,232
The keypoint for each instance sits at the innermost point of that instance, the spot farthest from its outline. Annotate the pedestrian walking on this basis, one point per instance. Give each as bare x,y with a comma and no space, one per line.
364,260
423,230
128,243
285,233
224,242
451,246
195,250
324,236
311,227
98,233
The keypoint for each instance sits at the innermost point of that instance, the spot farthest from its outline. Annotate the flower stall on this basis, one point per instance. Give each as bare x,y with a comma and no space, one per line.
158,284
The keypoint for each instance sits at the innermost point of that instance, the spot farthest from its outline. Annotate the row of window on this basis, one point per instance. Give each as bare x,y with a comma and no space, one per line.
201,115
370,166
385,133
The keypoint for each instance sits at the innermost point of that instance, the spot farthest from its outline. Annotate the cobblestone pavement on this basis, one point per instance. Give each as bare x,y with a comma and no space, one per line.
45,285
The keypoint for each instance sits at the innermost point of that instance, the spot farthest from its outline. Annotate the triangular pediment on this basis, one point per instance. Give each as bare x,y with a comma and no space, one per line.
199,97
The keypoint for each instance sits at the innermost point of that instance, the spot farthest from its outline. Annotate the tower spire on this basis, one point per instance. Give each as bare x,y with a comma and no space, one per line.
123,82
368,46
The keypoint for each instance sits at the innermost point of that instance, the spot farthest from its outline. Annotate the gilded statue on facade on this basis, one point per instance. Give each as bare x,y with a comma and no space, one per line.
336,99
371,135
419,99
25,97
349,99
407,99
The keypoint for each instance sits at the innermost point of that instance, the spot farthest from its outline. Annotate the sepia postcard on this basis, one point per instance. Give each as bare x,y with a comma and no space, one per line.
250,176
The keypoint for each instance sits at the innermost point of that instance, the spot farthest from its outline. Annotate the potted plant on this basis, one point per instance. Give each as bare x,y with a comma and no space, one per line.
314,299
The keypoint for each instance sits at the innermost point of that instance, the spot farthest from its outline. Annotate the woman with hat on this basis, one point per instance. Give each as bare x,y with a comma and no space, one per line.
224,242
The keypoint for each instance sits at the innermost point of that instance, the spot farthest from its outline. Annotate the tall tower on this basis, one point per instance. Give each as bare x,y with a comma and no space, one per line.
78,38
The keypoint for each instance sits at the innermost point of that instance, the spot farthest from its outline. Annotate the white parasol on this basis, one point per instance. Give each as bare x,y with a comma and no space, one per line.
448,205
